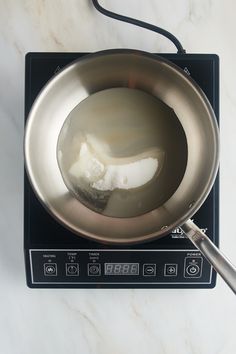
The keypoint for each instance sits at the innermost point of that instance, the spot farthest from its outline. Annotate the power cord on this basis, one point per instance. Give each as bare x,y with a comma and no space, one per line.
139,23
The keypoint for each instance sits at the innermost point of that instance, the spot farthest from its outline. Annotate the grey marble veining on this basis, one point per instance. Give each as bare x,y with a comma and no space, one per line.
109,321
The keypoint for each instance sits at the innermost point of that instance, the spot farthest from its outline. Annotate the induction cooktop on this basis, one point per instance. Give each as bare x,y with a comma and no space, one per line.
57,258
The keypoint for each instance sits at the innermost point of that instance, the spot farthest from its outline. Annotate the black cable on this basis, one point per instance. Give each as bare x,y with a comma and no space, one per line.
139,23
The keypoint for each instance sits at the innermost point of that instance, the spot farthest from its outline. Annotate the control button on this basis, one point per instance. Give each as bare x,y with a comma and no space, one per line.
72,269
170,270
94,269
50,269
193,267
149,269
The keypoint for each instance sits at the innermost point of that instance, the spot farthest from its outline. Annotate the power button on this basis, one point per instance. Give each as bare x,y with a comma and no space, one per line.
193,267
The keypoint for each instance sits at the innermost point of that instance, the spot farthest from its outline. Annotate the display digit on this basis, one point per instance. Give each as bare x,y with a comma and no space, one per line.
117,269
121,269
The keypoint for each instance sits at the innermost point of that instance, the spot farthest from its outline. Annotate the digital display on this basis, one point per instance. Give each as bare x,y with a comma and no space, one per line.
121,269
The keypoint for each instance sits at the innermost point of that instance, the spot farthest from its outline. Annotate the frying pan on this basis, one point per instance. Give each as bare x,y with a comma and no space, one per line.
141,72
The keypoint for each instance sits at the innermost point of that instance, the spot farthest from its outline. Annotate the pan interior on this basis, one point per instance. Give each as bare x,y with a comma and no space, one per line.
122,152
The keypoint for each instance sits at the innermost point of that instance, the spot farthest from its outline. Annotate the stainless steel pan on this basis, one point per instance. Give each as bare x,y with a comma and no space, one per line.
162,80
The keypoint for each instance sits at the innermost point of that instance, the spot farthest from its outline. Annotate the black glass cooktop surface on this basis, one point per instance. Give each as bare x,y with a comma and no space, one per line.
57,258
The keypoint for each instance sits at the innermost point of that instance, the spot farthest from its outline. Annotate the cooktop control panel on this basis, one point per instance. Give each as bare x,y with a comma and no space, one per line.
126,267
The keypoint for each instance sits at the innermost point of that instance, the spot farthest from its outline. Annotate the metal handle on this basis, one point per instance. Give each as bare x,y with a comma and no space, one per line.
219,262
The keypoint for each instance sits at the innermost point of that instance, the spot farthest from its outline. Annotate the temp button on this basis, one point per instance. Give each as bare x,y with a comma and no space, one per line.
72,269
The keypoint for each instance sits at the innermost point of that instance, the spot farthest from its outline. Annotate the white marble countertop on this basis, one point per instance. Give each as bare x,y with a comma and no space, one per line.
110,321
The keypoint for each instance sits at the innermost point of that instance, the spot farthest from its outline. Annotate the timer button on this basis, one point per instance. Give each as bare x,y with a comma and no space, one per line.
149,269
94,269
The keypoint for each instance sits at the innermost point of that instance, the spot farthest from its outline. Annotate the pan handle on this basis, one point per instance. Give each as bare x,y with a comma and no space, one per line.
219,262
